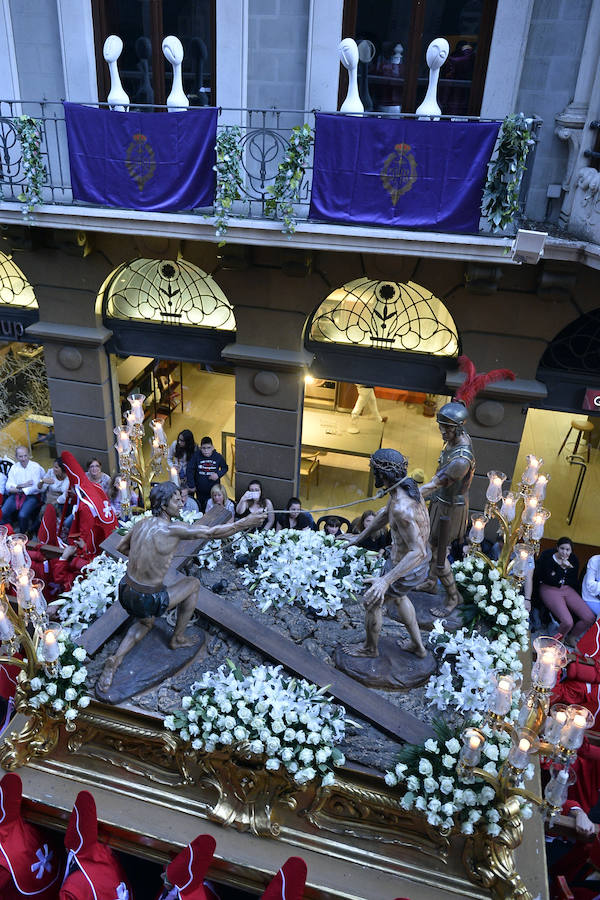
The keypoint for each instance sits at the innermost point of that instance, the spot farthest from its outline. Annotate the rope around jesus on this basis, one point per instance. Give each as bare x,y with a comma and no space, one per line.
381,493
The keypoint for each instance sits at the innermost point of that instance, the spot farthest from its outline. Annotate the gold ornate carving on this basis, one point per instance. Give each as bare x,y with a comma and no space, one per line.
347,808
38,737
490,860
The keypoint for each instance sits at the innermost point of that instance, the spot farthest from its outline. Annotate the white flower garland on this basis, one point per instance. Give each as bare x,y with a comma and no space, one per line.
62,693
307,568
289,721
92,593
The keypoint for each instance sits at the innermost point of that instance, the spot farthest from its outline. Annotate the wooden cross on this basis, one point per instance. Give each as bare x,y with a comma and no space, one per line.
385,716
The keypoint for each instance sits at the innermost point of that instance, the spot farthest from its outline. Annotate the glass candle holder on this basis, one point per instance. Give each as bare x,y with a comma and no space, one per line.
493,493
7,629
530,474
159,431
50,651
123,444
470,753
579,719
174,475
4,550
38,601
508,507
524,744
539,523
551,657
504,686
555,722
539,488
19,557
136,402
530,509
477,528
555,792
523,560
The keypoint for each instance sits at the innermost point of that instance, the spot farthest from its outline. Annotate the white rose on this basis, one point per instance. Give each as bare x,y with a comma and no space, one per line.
466,828
51,689
70,714
36,684
58,704
430,785
431,746
186,702
79,677
272,765
83,702
446,784
390,779
79,654
169,723
425,767
328,779
70,694
453,746
66,671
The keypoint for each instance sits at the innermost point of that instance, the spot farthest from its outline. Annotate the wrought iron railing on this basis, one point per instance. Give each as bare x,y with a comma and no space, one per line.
265,139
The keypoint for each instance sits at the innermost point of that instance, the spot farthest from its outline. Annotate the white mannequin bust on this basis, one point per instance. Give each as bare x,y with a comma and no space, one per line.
117,98
173,51
349,57
397,55
437,54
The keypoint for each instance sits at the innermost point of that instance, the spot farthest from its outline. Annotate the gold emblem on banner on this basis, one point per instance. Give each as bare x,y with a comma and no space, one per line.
399,172
140,160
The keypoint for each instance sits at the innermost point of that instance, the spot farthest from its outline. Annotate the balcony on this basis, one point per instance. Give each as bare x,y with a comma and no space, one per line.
265,138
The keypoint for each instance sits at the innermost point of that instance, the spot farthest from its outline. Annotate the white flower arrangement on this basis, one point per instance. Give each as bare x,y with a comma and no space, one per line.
62,693
210,555
492,600
307,568
287,720
92,593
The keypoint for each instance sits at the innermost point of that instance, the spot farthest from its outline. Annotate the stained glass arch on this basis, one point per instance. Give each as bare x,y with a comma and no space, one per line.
167,292
15,290
385,315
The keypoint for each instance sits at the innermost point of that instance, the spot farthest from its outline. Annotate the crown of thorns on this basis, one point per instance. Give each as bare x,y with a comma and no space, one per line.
390,463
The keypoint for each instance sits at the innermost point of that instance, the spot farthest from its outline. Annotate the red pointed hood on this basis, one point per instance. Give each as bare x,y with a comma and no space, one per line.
89,493
30,856
93,871
289,882
186,872
47,532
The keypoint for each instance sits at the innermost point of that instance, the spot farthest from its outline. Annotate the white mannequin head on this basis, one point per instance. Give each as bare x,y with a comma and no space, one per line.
348,52
113,47
437,53
366,51
173,49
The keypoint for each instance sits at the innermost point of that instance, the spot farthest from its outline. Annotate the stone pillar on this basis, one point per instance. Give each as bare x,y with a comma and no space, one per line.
269,391
80,390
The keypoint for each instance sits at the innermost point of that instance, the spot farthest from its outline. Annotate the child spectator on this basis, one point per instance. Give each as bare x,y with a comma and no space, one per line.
205,468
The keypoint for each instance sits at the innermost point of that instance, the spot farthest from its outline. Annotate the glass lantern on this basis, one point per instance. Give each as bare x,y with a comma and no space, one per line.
493,493
551,657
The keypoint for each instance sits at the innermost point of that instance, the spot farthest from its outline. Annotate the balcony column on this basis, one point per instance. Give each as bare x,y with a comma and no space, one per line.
80,390
269,392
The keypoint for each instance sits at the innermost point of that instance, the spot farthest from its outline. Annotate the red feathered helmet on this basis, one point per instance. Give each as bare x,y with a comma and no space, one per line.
456,412
88,493
30,861
93,870
185,874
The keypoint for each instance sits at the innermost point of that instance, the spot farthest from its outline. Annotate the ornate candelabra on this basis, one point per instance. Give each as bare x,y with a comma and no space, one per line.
129,446
24,624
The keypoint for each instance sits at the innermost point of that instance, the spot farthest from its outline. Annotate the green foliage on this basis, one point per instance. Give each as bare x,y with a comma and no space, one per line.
229,177
30,136
286,189
500,204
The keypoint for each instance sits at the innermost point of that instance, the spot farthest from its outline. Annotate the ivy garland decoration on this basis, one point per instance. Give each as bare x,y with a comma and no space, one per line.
286,189
229,179
30,137
500,204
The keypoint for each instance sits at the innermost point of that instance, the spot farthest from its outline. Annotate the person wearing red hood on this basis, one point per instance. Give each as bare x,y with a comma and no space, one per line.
94,519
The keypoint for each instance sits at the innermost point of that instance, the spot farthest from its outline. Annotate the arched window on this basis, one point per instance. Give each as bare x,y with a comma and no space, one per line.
15,290
576,348
168,293
385,315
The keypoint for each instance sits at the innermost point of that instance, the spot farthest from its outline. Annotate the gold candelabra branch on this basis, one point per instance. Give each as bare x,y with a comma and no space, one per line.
132,463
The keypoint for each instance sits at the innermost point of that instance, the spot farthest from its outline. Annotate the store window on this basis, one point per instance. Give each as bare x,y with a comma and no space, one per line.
385,315
142,25
167,292
393,36
15,290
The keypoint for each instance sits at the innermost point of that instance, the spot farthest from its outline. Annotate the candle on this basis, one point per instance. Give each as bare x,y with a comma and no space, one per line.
155,444
573,731
50,648
523,560
539,523
137,408
17,548
519,753
477,529
159,432
470,752
174,476
123,492
508,507
546,668
4,551
24,591
125,442
557,788
554,723
531,507
524,745
503,698
494,490
539,488
6,627
531,472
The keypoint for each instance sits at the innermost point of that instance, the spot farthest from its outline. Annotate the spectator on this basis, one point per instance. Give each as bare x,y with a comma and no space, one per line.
376,541
205,468
555,577
56,485
180,452
333,526
22,491
189,504
116,499
590,588
96,475
253,500
295,517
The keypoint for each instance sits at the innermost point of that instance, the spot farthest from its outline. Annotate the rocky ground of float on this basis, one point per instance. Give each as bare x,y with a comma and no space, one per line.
364,745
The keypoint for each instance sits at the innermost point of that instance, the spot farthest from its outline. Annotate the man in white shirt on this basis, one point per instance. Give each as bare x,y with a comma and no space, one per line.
590,589
22,491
